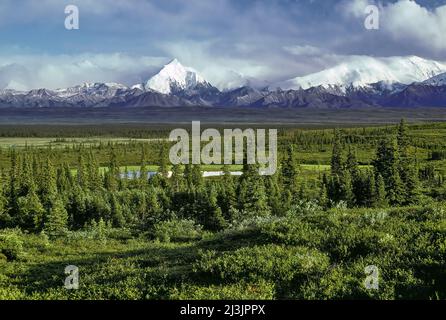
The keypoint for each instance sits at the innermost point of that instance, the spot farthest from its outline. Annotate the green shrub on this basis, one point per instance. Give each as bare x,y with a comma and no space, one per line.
120,234
11,293
177,231
269,262
11,243
261,290
304,208
292,231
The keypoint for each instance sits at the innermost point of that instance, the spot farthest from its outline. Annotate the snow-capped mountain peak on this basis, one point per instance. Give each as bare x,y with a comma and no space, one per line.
439,80
174,76
359,81
360,71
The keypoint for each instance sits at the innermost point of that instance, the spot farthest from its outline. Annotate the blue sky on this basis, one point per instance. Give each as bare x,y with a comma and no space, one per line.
225,40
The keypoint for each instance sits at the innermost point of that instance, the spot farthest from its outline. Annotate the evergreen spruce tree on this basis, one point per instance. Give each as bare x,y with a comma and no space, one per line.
408,168
336,157
13,182
143,175
117,217
351,164
228,179
25,181
289,172
395,189
161,178
31,213
370,199
101,229
153,204
346,188
163,167
213,219
163,198
380,200
77,207
177,182
227,194
143,172
385,159
48,185
138,206
5,219
188,177
387,164
197,177
82,175
252,197
303,191
403,138
63,181
93,180
27,210
274,196
323,198
112,175
56,221
412,185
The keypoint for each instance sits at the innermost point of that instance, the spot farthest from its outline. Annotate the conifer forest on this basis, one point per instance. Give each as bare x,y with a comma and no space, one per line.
345,204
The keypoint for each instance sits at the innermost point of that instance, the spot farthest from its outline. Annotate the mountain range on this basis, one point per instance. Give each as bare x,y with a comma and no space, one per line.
360,82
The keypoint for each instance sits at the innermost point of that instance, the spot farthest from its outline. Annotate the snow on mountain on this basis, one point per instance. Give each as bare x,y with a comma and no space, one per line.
232,80
361,71
174,76
95,89
138,86
41,93
359,82
439,80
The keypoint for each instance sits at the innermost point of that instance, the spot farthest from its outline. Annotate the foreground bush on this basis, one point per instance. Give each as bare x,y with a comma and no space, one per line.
261,290
272,263
11,244
299,256
177,231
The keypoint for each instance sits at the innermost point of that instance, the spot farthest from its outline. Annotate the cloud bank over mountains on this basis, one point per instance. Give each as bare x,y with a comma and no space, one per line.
26,72
230,42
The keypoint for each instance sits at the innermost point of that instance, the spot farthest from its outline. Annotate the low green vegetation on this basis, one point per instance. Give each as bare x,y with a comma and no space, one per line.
306,254
341,201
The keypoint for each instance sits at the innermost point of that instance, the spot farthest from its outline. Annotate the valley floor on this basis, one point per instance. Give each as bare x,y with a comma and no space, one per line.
219,116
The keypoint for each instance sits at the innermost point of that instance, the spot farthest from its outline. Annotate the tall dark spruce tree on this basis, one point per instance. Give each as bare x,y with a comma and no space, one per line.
387,164
408,170
252,198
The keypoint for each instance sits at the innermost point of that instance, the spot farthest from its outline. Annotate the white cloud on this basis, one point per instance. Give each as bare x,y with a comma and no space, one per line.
27,72
409,22
406,23
227,41
222,70
223,39
305,50
355,7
